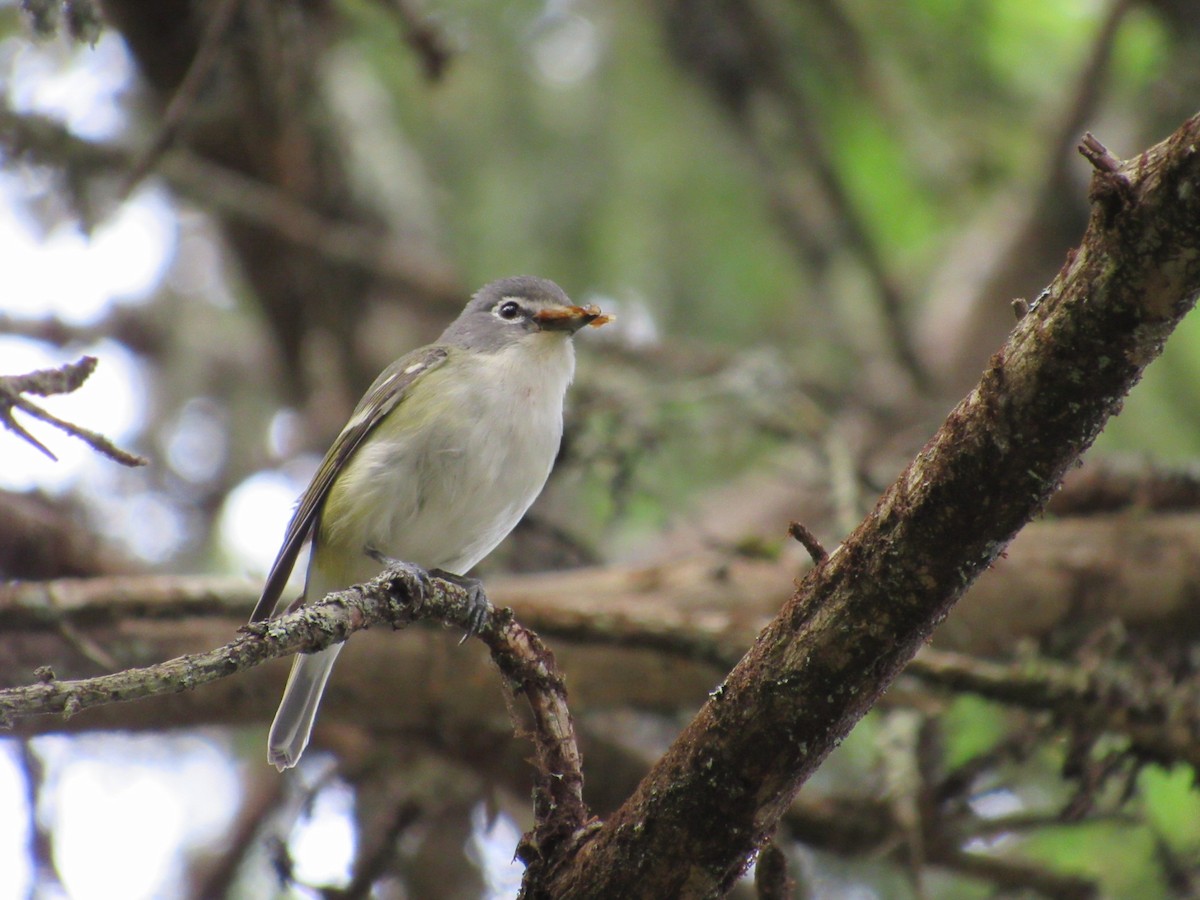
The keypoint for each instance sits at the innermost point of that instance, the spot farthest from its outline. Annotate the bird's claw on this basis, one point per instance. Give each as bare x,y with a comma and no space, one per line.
415,578
480,610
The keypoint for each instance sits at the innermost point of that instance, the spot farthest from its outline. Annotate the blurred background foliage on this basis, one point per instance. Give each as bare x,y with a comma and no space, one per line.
811,219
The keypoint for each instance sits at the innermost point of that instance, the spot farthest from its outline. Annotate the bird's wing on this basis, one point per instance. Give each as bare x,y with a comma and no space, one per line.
389,389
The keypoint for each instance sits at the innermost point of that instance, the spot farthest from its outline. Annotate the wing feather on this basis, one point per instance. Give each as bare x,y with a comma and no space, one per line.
389,389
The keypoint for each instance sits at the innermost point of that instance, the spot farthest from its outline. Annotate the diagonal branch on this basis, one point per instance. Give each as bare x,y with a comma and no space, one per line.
698,817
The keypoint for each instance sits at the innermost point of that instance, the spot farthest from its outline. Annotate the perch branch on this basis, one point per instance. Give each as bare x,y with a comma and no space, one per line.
522,658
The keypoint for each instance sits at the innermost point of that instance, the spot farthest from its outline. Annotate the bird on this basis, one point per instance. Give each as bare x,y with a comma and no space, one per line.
438,463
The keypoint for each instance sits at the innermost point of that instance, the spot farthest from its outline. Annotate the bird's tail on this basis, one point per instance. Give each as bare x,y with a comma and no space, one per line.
298,709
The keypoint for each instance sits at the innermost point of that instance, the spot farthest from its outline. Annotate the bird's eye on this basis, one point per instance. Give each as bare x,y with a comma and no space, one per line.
509,309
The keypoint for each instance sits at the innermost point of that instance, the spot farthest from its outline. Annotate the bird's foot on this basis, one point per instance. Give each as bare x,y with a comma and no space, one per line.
414,577
479,607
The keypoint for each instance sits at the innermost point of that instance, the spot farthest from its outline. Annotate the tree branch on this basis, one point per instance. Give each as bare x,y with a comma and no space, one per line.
1139,567
1161,721
240,197
735,54
1040,220
526,663
693,824
45,383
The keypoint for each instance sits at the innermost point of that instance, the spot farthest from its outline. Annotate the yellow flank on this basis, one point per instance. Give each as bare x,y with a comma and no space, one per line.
338,555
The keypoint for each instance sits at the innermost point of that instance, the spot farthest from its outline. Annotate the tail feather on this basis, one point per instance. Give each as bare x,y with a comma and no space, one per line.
298,709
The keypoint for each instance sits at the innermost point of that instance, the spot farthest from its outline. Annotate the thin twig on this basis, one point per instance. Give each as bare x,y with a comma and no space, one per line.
1098,155
261,793
558,793
1085,96
1032,821
47,382
1042,208
41,840
1159,721
86,647
808,541
1013,873
131,326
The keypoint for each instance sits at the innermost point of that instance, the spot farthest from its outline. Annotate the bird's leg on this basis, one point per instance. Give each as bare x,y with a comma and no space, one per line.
415,578
480,608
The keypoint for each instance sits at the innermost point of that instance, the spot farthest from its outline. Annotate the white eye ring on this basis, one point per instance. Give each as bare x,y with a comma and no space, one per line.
509,310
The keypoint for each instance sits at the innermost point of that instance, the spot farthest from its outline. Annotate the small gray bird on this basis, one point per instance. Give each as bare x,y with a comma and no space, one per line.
439,461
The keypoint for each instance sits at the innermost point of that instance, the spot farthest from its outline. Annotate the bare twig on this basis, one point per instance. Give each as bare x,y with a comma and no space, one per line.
808,541
1085,96
130,325
1031,821
86,647
262,794
1109,486
558,793
1044,215
1161,722
1011,873
41,839
1097,154
736,55
44,383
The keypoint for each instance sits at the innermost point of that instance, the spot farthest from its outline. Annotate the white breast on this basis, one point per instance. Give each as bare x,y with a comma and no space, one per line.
444,494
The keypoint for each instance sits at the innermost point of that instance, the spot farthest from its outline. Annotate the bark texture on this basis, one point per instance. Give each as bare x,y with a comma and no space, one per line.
696,820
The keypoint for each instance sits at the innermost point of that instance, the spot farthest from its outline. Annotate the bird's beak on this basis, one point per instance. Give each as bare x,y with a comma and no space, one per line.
570,318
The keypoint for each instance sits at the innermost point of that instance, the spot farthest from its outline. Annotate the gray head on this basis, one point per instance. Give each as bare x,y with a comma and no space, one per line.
504,311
